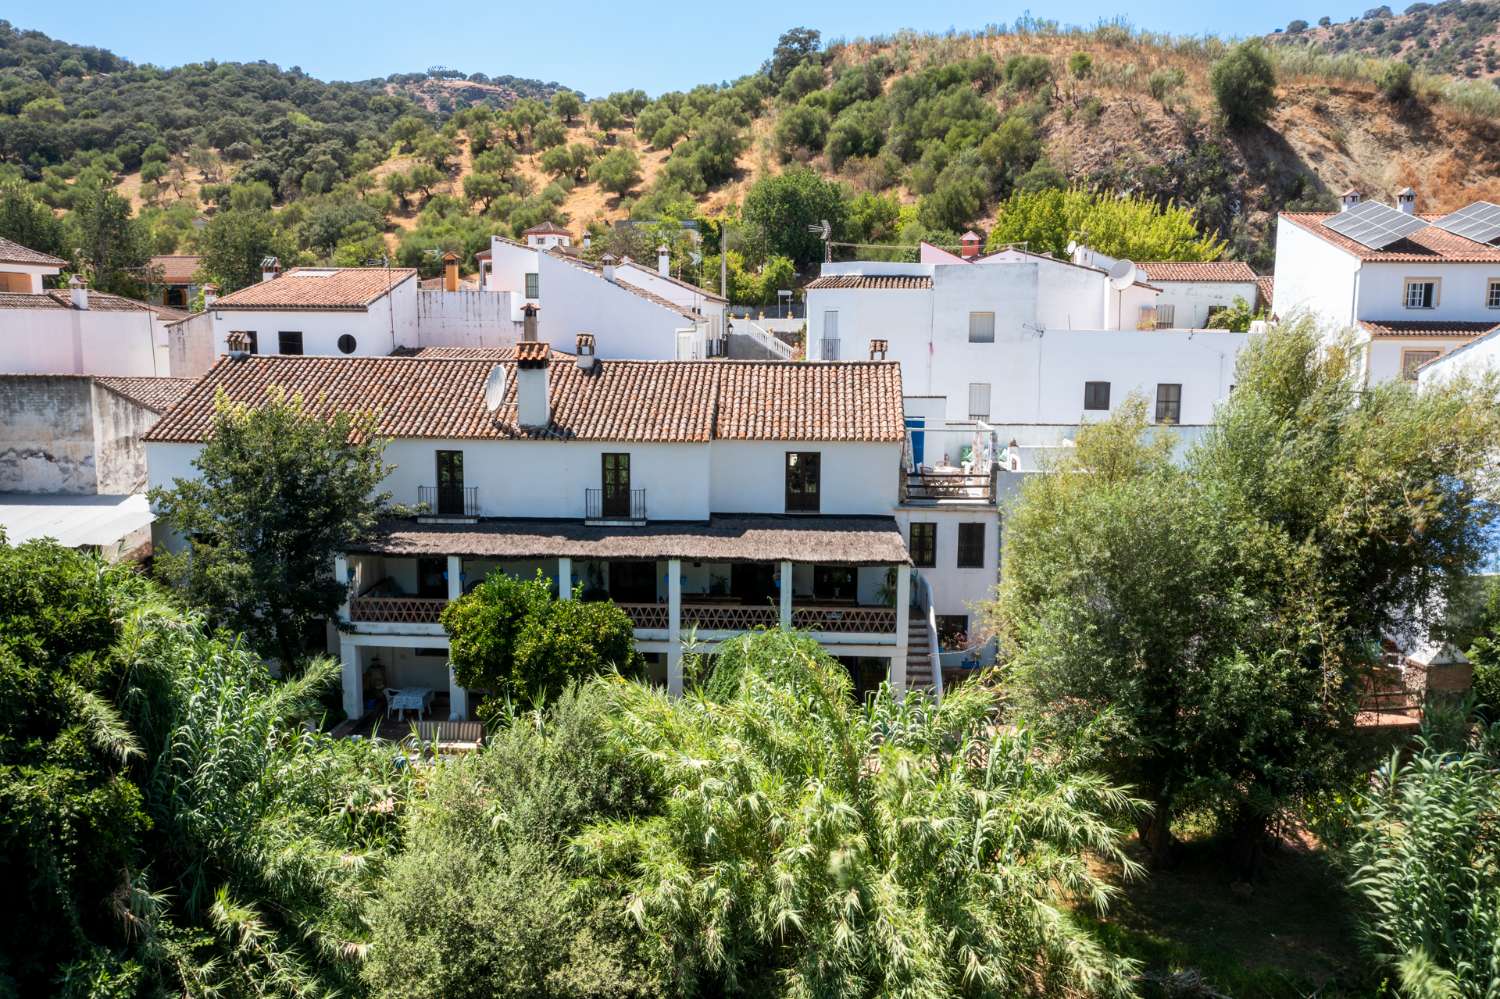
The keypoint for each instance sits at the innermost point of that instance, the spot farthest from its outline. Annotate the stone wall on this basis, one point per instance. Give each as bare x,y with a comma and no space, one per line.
68,434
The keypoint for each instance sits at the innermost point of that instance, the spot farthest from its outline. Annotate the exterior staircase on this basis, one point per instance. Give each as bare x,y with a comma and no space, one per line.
919,664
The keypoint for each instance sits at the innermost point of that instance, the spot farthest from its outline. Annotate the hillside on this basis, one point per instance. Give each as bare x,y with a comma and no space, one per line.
924,135
1458,38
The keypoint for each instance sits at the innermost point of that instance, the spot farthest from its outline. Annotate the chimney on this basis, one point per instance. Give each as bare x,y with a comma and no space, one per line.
270,269
210,295
238,342
585,350
1349,199
80,293
663,261
608,260
450,271
528,322
1406,201
533,408
588,240
968,245
878,349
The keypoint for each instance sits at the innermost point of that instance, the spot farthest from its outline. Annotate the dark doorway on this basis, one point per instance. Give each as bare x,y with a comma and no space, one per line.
431,577
632,582
753,583
835,583
616,477
450,483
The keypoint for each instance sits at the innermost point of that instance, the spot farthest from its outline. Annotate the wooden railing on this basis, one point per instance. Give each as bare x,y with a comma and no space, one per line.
744,617
950,485
396,610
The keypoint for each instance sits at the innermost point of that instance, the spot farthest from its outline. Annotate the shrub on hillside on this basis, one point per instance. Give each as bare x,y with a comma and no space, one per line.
1244,84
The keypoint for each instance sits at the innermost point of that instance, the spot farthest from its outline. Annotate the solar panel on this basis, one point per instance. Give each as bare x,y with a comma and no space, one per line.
1479,222
1374,225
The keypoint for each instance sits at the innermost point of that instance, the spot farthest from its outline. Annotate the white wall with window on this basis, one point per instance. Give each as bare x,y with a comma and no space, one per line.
958,551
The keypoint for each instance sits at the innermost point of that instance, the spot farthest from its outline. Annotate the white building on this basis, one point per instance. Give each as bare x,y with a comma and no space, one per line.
81,332
1192,292
22,269
1412,286
1475,359
1020,340
706,498
648,316
319,310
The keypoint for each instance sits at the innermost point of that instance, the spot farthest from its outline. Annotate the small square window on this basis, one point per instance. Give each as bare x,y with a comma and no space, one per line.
1168,403
970,546
981,327
532,289
923,545
1411,360
1421,294
979,400
290,342
1492,296
1166,316
1096,395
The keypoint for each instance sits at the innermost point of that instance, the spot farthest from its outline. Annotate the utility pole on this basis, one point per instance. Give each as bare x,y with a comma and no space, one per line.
724,258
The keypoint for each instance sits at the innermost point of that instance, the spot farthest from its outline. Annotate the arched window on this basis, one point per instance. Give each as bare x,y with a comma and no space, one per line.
347,343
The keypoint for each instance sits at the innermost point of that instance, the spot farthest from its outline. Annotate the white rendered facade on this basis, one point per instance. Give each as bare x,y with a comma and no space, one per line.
47,337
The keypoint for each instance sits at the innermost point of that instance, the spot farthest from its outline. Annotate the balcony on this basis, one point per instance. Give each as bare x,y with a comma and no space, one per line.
714,617
829,349
930,486
396,610
614,507
449,501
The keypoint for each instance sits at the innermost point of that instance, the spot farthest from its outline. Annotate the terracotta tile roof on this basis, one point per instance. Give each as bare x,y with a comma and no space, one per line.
15,253
532,354
1435,330
894,282
156,394
483,254
1265,286
688,285
827,539
176,268
98,301
666,401
318,289
1425,245
505,353
1182,270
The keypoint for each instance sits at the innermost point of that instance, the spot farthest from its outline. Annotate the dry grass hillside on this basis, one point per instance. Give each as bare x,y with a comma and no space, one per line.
1455,37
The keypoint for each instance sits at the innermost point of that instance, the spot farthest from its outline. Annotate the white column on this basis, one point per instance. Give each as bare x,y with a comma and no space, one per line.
903,613
353,679
341,573
786,596
458,697
565,578
674,627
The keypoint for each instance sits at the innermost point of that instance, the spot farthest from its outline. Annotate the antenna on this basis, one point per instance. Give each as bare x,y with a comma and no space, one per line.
1121,274
494,388
824,231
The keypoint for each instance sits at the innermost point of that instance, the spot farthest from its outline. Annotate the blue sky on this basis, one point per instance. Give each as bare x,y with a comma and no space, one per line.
595,47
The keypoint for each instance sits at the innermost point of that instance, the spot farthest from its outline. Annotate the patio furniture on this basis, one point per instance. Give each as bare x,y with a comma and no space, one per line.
451,736
408,699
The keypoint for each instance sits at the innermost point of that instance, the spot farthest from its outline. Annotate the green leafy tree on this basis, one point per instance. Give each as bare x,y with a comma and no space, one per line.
1237,317
617,171
605,115
281,490
484,188
1128,226
801,131
1244,84
27,221
511,637
808,844
1395,82
1307,525
1081,65
805,79
793,48
566,105
114,245
236,241
779,209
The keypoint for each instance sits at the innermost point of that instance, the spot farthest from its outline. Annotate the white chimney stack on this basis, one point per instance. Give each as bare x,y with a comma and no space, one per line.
270,269
80,292
608,260
1406,201
1349,199
663,261
210,295
528,322
533,407
585,349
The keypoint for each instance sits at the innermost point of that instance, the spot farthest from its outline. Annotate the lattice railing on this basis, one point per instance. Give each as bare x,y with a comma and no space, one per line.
728,617
845,620
397,610
646,616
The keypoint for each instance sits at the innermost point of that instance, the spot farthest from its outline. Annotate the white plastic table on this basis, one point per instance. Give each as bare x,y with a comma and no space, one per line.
411,699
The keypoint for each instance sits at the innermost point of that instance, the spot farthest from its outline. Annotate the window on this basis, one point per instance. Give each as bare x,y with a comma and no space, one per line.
1166,316
970,546
1096,395
979,400
1421,293
615,475
450,483
1169,403
802,481
1213,310
953,631
254,341
923,545
830,335
347,343
981,327
532,291
432,577
290,342
1492,296
1411,360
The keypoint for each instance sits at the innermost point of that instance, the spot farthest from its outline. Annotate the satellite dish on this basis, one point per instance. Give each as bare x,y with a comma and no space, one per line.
1121,275
1072,247
494,388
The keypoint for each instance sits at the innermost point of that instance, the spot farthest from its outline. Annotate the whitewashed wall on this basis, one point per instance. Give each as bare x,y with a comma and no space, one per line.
1191,300
576,300
955,590
1474,359
1383,355
1314,277
83,342
1461,292
750,476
